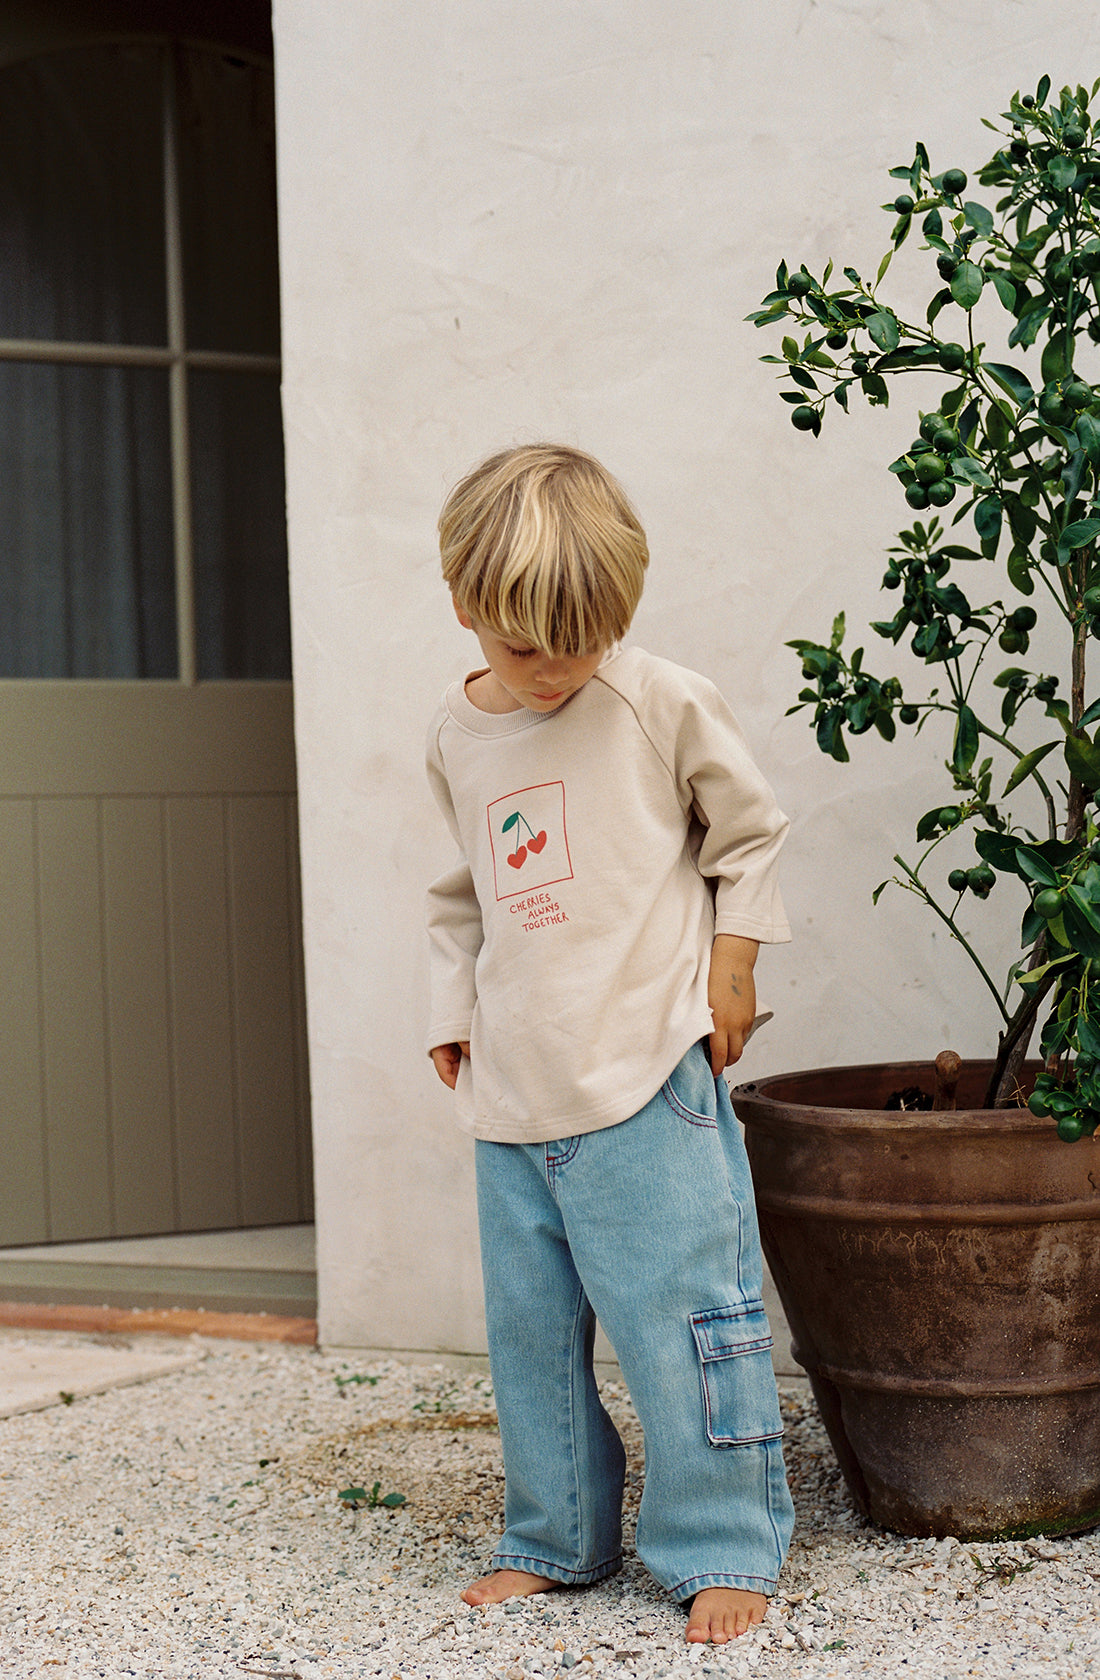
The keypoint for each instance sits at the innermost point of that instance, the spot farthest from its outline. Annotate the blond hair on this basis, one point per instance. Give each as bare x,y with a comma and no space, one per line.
539,543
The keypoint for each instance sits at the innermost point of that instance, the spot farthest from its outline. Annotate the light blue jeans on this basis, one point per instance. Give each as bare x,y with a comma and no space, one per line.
649,1225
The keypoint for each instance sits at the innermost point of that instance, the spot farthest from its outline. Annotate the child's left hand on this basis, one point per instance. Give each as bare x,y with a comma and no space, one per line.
731,993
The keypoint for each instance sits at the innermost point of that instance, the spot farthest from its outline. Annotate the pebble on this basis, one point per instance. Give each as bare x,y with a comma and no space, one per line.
192,1528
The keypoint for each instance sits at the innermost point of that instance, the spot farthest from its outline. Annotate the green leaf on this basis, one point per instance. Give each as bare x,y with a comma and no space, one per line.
998,850
903,221
1083,759
1090,716
1042,90
978,217
932,226
928,824
941,298
1023,520
965,467
1019,572
883,328
987,518
1036,868
1088,433
801,377
1005,289
1010,379
1080,932
1026,765
510,822
1026,330
1073,475
966,284
1062,172
1081,532
965,748
875,389
392,1500
1057,357
830,736
996,426
1088,1035
790,350
1080,898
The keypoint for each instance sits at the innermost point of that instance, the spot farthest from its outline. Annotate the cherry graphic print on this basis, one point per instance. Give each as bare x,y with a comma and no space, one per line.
534,843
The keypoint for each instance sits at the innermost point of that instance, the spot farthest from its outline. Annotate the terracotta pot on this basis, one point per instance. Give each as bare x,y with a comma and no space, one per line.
941,1277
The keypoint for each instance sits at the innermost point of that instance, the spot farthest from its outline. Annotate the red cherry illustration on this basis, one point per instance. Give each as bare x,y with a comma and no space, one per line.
537,841
518,858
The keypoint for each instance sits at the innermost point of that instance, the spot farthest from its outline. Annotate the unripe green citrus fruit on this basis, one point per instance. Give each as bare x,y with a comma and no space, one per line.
1053,410
954,182
1070,1128
929,469
917,496
951,357
940,494
1077,394
803,418
1048,903
799,284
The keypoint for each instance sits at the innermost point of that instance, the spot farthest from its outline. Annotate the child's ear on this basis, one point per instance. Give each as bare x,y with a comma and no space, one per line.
462,615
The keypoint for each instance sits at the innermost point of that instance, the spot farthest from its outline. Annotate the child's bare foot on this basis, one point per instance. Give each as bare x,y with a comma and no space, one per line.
507,1583
719,1614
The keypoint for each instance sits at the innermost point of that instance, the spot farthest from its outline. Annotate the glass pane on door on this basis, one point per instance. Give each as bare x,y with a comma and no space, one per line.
82,197
242,601
87,585
227,203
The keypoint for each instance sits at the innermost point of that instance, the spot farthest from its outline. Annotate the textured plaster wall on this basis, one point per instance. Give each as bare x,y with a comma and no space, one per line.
508,219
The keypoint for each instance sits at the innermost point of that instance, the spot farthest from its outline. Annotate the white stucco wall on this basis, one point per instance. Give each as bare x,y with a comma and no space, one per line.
509,219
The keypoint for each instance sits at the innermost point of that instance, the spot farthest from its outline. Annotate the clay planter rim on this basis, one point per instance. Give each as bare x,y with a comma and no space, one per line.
781,1091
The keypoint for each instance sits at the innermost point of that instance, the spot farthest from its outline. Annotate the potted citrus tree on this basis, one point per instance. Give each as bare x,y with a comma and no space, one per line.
939,1259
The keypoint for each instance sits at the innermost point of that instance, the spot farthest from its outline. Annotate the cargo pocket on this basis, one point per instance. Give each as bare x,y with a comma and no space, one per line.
739,1397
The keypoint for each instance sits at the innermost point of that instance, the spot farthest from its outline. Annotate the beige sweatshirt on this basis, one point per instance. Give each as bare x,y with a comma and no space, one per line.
602,847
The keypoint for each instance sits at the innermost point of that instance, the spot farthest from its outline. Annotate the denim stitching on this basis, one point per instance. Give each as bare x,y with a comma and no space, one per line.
553,1162
687,1114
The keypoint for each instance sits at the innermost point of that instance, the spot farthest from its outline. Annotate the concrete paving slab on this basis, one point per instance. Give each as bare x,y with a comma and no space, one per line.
39,1372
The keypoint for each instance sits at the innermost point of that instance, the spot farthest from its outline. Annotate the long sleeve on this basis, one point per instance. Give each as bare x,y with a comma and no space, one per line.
743,827
454,927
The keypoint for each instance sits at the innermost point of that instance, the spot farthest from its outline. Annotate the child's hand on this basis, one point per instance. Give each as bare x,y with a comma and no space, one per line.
731,993
448,1059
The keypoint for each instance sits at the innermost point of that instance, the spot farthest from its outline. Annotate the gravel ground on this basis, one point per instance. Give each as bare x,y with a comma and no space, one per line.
193,1527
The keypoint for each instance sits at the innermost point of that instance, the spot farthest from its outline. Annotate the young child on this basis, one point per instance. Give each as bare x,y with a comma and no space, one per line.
592,975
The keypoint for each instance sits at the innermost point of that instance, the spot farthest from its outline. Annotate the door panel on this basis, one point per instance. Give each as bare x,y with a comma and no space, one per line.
23,1212
152,1018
